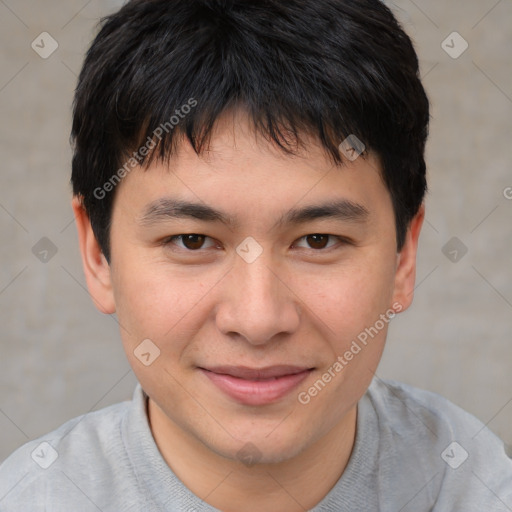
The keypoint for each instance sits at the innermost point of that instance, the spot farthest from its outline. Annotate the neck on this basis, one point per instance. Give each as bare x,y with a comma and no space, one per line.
292,485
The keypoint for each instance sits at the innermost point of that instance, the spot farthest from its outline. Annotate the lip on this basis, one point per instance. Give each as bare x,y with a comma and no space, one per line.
256,386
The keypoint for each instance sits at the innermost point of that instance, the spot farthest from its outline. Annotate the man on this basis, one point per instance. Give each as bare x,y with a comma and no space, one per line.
248,189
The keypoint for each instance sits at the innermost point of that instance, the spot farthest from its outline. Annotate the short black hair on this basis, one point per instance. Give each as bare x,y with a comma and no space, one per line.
330,68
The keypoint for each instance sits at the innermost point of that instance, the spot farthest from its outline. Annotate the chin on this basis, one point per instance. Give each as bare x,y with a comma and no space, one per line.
260,449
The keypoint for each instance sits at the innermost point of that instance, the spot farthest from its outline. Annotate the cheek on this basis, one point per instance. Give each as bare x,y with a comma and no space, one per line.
349,299
154,303
352,312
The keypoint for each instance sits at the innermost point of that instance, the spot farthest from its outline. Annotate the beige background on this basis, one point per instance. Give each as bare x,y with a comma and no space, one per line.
60,357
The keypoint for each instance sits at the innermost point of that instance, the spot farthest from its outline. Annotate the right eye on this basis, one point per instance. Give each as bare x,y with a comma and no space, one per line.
190,241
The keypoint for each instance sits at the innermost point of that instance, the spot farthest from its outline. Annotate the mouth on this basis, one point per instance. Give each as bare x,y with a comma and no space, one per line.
256,386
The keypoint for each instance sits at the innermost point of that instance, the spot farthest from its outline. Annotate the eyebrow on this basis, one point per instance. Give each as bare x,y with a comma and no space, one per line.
343,210
167,209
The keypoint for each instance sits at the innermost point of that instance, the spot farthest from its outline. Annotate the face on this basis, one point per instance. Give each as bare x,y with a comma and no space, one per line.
265,283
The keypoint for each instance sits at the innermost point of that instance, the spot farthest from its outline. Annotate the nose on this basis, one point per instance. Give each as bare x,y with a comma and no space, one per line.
257,304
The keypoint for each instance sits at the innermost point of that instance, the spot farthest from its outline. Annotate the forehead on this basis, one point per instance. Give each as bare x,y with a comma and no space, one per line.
243,172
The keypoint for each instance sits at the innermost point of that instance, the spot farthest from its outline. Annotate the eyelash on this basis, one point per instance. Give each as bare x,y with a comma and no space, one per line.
341,241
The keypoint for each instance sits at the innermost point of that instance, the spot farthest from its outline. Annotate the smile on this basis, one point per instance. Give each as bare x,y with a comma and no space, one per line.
251,386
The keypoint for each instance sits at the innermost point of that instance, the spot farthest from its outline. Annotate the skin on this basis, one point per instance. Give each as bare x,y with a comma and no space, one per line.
295,304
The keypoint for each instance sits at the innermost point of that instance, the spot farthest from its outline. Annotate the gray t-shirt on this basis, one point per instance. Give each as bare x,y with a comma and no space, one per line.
414,451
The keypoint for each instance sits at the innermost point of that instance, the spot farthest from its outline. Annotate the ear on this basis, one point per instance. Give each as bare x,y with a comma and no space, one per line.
405,276
96,267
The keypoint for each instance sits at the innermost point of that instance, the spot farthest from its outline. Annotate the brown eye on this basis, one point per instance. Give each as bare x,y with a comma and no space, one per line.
193,241
187,243
317,241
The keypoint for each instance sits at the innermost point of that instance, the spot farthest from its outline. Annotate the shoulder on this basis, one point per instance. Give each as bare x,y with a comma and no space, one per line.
426,435
398,401
55,464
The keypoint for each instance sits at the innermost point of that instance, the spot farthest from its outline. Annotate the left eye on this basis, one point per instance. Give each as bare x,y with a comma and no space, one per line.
317,241
191,241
